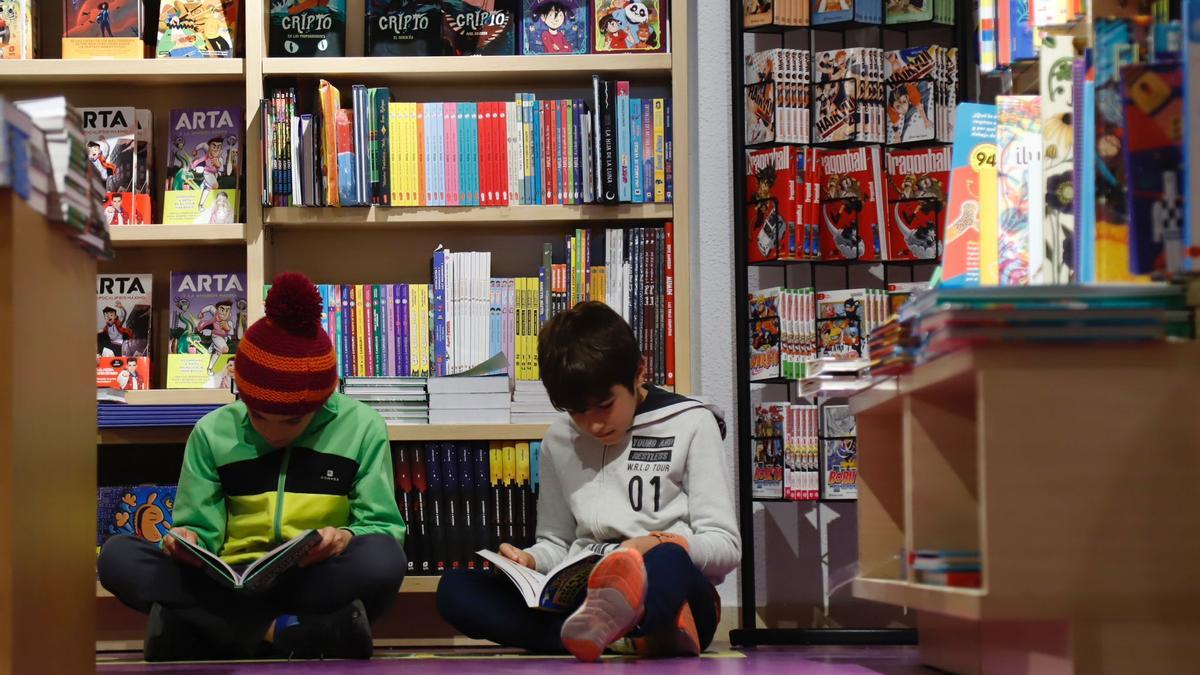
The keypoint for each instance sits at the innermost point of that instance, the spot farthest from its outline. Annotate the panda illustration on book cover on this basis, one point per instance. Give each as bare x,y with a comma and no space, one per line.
629,26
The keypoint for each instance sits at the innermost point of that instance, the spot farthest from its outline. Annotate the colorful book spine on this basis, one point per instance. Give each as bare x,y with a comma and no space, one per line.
969,254
624,187
1191,66
1020,210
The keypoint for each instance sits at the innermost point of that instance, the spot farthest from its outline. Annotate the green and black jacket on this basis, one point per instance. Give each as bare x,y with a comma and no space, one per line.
242,497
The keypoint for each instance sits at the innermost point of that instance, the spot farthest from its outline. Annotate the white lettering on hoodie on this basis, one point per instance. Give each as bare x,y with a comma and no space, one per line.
667,474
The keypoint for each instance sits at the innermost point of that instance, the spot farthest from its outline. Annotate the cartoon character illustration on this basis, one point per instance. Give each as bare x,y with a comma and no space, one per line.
5,34
771,229
180,158
208,166
918,225
647,38
104,20
110,341
614,34
149,520
843,227
553,15
185,338
222,210
907,118
219,329
104,168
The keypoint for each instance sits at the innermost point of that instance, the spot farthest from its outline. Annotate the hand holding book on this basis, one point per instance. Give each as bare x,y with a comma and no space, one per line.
518,556
181,553
334,540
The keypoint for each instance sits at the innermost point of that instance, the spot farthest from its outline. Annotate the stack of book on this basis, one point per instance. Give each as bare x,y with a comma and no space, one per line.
943,321
459,497
531,404
399,400
940,567
117,415
463,399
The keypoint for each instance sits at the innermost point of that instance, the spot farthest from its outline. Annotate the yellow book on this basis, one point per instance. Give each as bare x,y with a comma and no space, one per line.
510,462
660,154
989,227
413,169
360,331
523,463
394,140
519,329
417,298
406,162
496,462
419,141
534,314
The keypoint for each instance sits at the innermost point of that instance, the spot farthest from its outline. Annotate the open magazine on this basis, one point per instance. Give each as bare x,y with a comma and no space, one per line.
262,573
556,591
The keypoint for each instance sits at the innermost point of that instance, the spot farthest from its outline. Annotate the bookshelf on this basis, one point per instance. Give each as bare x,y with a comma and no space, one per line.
359,245
996,456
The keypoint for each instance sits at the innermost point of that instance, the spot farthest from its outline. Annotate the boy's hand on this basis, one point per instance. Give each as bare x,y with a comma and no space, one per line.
641,544
333,541
178,552
518,556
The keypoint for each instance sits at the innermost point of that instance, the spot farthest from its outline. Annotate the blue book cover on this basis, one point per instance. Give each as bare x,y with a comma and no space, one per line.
668,153
647,135
439,311
435,517
141,511
832,11
403,341
623,169
452,508
1023,47
635,150
1086,225
362,145
535,464
555,27
464,155
527,190
1191,135
476,159
869,11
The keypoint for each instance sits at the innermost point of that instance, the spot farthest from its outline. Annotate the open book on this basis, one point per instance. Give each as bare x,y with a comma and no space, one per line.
559,590
262,573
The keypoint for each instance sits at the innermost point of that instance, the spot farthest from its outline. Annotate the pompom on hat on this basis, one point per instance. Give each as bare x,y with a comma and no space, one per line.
286,364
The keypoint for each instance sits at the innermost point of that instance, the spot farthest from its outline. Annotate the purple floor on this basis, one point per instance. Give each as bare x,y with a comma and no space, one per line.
762,661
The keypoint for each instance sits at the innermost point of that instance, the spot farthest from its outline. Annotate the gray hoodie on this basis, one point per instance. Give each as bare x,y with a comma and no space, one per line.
667,474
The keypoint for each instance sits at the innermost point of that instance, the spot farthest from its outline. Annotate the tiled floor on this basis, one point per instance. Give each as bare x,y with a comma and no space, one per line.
761,661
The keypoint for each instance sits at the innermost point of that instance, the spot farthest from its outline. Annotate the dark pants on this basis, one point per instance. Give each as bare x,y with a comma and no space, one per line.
486,605
231,624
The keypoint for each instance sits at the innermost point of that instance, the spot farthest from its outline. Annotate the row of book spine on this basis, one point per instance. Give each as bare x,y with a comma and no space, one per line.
464,315
459,497
613,149
796,13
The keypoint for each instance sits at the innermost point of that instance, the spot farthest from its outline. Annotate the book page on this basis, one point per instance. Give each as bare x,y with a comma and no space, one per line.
212,560
287,554
528,582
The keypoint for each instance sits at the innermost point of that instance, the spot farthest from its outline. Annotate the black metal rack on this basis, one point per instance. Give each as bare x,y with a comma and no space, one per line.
749,635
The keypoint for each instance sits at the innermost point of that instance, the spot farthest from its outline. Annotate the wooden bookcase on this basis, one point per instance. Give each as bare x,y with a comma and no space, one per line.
1072,470
356,245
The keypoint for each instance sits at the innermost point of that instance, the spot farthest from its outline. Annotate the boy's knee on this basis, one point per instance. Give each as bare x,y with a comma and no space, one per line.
456,598
381,560
116,556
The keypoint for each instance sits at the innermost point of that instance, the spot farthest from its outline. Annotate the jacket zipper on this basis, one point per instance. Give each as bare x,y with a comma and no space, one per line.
287,455
595,508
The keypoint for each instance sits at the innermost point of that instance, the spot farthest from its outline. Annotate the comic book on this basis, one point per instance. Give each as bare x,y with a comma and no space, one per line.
765,333
917,181
1058,157
839,473
842,11
1153,98
308,28
841,329
921,92
1019,190
851,204
122,372
18,35
756,13
899,292
208,319
143,168
777,96
480,27
140,511
849,95
555,26
970,239
204,167
773,190
1191,66
102,29
404,28
120,160
767,446
123,314
622,26
908,11
194,29
1118,42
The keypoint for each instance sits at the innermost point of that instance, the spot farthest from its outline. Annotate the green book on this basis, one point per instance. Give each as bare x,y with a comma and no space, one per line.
379,299
261,574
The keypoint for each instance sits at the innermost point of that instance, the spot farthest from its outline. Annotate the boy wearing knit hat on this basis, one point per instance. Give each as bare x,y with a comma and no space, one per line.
291,455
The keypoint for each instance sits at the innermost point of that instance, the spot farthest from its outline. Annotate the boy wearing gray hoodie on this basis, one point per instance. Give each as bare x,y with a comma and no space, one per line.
636,473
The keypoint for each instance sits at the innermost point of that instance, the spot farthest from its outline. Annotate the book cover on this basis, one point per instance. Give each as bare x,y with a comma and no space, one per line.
767,447
917,181
1058,157
308,28
208,318
1153,99
912,94
113,154
1019,181
123,372
123,314
622,26
1191,68
193,29
555,27
970,237
404,28
840,325
480,27
772,185
17,36
757,13
765,334
839,474
851,204
204,167
102,29
139,511
908,11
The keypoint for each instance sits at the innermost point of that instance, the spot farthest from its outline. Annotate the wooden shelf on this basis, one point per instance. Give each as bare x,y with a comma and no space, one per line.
458,70
141,236
966,603
410,585
498,216
396,432
142,72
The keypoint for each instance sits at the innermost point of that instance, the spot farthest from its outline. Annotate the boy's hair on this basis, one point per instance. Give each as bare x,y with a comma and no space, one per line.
583,352
108,310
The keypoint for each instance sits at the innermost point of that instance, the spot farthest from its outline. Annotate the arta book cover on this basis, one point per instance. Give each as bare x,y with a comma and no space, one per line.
120,160
204,167
208,319
555,27
123,314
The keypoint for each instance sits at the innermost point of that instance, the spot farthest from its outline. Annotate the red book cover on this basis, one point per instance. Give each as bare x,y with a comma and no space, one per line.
850,194
564,159
499,155
547,176
122,372
669,302
916,199
771,184
483,124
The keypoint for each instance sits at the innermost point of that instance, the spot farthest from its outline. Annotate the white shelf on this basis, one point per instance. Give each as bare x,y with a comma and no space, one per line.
142,72
455,70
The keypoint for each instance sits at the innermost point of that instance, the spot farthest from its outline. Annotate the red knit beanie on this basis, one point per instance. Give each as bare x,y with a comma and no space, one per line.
286,364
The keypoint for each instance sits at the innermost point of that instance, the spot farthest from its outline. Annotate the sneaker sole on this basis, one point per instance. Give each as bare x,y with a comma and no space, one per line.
613,606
